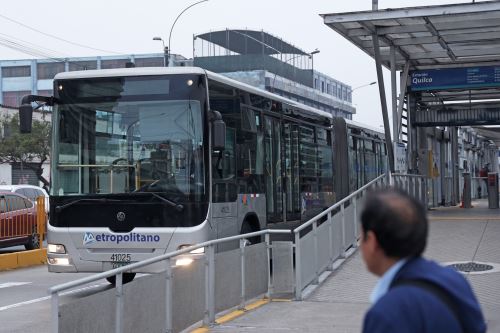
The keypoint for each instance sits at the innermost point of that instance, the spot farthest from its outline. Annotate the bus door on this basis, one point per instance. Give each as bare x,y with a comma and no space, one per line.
291,171
272,163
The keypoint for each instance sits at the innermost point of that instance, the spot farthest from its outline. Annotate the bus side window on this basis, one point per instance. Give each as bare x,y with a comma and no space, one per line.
224,170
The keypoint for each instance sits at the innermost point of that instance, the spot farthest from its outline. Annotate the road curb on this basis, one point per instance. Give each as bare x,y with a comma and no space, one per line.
23,259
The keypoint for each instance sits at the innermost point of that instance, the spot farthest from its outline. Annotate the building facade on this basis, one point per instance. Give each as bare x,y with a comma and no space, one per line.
270,63
35,76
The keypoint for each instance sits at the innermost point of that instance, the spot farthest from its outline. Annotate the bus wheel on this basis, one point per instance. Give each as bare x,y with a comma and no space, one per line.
248,228
34,240
127,277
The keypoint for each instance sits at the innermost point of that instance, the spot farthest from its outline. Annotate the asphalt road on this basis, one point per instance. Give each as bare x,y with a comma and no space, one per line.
24,301
17,248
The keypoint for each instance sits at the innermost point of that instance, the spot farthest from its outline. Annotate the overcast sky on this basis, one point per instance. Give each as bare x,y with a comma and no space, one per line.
127,27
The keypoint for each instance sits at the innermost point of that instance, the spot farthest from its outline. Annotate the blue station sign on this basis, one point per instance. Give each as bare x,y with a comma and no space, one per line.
455,78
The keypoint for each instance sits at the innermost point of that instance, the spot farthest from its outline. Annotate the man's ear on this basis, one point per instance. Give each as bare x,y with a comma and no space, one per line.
371,241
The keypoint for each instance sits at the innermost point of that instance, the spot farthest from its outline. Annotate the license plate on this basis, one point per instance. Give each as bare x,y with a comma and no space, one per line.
107,265
118,260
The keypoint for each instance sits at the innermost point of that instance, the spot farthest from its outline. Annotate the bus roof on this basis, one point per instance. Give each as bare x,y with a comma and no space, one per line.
139,71
361,125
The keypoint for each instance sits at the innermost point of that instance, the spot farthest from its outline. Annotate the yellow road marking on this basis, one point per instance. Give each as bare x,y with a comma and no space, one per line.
230,316
237,313
256,304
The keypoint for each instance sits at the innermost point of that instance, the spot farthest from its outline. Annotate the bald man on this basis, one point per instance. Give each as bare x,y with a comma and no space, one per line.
413,294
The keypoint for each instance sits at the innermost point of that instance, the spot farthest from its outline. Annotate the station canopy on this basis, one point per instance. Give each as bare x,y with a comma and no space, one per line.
429,36
459,39
250,42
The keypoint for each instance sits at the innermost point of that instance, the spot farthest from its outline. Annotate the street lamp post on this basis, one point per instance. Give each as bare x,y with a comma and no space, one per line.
364,85
167,49
356,88
310,55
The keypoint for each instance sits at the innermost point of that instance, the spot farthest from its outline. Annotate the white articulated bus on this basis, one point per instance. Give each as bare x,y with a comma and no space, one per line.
148,160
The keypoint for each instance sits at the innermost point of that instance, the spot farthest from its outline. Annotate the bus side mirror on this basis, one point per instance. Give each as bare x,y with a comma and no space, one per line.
25,118
218,131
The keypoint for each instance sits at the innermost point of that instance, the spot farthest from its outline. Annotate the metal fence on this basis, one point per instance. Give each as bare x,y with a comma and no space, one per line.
332,233
244,276
479,187
415,185
22,219
228,279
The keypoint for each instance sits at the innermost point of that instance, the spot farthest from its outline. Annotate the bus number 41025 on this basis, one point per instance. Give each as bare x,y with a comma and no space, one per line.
121,257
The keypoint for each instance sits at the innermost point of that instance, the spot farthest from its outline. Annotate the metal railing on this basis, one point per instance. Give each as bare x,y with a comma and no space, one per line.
318,244
41,219
19,221
479,187
209,317
414,185
323,245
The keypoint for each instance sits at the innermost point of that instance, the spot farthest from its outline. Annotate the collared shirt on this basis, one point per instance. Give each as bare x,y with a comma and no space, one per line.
384,282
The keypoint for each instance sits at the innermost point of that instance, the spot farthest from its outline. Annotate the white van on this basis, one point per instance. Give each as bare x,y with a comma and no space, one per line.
29,191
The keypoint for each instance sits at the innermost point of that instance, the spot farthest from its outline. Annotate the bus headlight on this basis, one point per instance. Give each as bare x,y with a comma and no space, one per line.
183,262
200,250
56,248
59,261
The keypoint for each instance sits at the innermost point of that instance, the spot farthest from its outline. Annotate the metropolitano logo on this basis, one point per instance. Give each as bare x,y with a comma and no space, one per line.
88,238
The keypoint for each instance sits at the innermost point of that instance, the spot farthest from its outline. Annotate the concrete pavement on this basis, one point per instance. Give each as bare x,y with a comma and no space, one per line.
338,305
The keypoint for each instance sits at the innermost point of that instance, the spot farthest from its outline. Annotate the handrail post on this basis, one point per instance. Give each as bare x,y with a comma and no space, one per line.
119,303
242,268
168,296
298,268
355,206
210,286
330,236
270,285
40,219
316,252
342,250
55,312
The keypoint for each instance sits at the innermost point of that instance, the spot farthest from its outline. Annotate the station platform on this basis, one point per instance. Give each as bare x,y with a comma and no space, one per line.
338,305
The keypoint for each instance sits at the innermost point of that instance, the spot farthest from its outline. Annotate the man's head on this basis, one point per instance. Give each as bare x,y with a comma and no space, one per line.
394,226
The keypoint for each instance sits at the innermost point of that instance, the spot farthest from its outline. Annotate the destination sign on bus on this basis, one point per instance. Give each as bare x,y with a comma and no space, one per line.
455,78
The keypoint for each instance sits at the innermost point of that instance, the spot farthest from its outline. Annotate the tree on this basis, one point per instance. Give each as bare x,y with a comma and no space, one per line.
32,150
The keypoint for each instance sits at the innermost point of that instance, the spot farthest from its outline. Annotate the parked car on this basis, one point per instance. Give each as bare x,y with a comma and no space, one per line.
29,191
18,221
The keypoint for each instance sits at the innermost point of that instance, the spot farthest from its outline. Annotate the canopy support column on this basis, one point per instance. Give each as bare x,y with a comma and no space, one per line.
383,101
394,98
454,162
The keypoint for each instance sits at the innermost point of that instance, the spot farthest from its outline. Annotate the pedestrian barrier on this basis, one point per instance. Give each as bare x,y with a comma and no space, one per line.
415,185
22,222
479,187
333,232
175,298
41,219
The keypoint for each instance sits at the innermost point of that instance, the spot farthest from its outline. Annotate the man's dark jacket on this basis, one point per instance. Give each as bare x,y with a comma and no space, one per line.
408,308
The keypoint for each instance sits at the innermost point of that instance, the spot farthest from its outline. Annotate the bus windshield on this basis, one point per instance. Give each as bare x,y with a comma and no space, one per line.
127,135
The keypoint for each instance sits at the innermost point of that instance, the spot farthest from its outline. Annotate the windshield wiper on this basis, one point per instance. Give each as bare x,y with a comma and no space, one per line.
174,204
102,200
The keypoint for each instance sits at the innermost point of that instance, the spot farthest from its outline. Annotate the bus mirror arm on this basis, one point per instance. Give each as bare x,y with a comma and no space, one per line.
26,111
218,130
